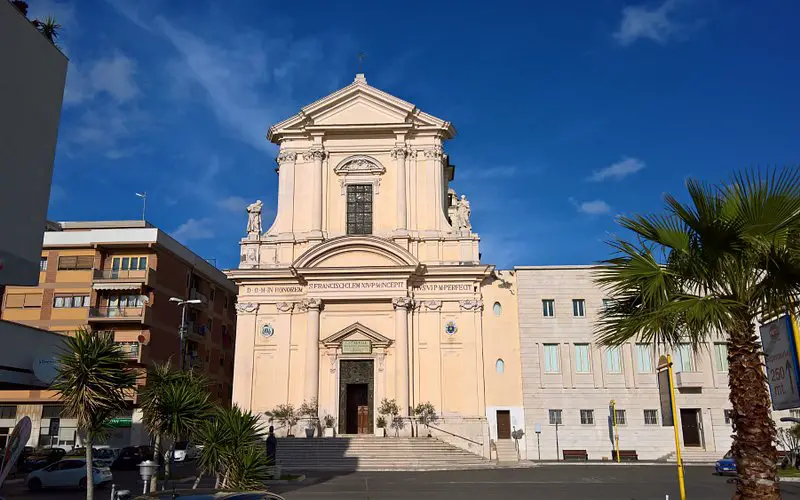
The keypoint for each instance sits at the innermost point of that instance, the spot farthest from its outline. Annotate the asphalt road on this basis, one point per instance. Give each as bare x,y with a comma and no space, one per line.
548,481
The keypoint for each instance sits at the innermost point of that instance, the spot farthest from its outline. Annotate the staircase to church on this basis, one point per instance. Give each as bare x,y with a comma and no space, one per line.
695,456
374,453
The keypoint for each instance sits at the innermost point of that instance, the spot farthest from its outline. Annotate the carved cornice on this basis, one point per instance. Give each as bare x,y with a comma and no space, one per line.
285,306
246,308
307,304
286,157
315,154
470,305
402,302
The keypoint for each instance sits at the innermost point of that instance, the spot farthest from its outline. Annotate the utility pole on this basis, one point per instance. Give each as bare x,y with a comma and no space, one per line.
143,196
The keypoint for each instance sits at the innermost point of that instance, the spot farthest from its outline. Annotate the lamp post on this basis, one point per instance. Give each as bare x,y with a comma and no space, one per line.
147,470
182,303
538,429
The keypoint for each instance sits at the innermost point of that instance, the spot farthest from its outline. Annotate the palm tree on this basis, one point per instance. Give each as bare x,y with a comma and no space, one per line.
233,449
49,28
714,266
174,407
94,384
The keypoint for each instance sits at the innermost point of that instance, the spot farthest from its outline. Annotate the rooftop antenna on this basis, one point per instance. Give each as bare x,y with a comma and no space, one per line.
143,196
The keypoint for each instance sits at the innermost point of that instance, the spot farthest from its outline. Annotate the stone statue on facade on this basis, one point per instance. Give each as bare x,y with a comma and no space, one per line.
463,213
254,220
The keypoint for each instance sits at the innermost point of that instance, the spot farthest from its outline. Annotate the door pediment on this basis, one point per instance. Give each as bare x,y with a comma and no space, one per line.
357,331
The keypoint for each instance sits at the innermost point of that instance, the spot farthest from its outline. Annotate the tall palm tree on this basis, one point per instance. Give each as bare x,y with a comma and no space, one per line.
715,265
174,407
93,383
233,449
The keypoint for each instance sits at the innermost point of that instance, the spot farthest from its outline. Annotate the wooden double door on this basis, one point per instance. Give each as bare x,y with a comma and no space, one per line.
357,409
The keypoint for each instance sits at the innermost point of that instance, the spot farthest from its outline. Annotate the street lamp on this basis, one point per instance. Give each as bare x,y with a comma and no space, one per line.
182,303
147,470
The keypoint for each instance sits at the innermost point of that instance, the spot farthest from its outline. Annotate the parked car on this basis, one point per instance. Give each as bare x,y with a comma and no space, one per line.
39,459
68,472
130,457
105,456
201,494
726,465
184,450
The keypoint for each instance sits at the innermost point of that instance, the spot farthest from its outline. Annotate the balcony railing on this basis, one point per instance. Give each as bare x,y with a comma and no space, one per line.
194,294
116,312
112,275
688,379
129,349
196,329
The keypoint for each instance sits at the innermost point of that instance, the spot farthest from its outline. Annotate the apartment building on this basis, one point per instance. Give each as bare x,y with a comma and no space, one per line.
119,277
569,380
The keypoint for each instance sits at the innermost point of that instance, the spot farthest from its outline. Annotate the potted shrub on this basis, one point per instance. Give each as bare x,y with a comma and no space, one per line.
398,423
381,426
388,410
285,416
426,415
310,410
329,423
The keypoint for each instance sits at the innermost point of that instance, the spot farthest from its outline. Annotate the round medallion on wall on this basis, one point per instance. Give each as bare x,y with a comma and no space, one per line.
450,328
267,330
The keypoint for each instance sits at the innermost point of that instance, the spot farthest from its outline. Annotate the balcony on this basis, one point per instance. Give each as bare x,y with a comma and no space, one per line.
195,294
130,350
196,329
116,314
108,278
684,380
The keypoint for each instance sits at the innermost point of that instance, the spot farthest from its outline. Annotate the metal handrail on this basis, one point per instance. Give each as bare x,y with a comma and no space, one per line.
113,274
116,312
455,435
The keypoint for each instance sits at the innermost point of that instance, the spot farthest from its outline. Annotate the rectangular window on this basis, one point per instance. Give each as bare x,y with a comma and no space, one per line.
8,411
651,417
51,411
685,358
43,264
58,302
359,209
22,300
587,417
551,364
210,325
555,417
721,353
613,361
225,304
607,303
74,263
582,361
644,358
728,414
548,308
213,294
578,308
221,361
620,416
70,301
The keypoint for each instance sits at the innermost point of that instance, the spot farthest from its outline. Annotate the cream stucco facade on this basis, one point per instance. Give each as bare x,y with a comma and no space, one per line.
368,283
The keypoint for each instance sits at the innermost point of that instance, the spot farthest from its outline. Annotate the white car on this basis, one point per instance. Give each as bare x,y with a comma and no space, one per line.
184,450
68,472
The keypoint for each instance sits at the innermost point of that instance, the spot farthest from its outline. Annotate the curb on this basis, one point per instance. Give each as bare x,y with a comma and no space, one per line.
632,464
286,481
788,479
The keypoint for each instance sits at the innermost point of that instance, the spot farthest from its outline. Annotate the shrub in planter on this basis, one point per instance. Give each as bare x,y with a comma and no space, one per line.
382,424
426,415
285,415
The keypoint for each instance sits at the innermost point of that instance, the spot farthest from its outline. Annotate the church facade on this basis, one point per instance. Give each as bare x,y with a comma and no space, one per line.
368,285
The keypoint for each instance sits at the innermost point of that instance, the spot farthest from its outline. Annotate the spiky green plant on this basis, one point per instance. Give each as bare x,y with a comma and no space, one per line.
715,266
94,383
49,28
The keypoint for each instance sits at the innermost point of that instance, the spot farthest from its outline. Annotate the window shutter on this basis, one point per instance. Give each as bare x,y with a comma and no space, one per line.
17,300
33,300
84,262
66,263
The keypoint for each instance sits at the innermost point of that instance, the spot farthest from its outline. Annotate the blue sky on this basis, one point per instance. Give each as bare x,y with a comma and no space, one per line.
568,113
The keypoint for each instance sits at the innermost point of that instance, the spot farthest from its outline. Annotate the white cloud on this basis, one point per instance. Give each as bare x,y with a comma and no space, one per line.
113,75
194,229
648,23
617,170
594,207
233,203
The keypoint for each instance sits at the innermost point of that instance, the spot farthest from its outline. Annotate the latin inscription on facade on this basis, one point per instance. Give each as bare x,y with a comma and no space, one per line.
445,287
273,290
356,347
357,285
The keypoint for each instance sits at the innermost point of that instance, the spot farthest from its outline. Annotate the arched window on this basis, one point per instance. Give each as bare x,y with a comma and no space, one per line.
500,366
497,308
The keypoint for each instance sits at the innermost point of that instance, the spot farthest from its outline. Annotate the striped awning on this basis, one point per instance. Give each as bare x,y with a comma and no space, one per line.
117,286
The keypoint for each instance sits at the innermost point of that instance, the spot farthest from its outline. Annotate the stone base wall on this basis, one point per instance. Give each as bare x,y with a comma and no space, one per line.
468,433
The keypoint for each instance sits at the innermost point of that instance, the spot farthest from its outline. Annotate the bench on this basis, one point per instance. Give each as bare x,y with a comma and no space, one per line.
577,455
625,455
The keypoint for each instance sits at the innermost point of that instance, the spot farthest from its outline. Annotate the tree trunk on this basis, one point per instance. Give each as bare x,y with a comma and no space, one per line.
157,459
754,431
197,481
216,481
89,467
168,464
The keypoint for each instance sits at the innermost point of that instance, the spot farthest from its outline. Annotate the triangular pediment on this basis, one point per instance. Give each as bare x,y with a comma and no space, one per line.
359,106
357,331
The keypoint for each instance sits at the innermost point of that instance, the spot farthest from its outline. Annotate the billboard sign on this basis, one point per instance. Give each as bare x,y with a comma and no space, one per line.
780,357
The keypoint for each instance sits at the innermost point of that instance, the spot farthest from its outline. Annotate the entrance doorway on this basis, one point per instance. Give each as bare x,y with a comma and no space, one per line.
690,424
503,424
356,396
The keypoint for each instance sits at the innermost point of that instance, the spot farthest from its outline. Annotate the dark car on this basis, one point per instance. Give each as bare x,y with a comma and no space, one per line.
129,458
39,459
201,494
